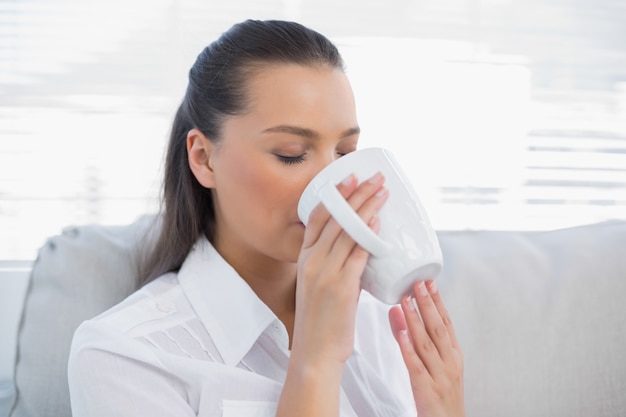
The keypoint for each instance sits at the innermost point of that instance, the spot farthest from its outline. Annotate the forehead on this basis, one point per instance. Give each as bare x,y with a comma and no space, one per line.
289,89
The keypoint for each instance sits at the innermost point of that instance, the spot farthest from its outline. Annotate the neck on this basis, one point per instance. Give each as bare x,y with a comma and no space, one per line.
275,287
273,282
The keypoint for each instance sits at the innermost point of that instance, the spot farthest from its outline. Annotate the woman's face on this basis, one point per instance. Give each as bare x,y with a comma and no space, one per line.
299,119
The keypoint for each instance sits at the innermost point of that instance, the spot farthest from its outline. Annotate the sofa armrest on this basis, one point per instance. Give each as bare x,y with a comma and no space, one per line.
13,283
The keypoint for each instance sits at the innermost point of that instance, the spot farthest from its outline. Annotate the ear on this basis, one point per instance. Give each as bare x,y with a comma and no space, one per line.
199,152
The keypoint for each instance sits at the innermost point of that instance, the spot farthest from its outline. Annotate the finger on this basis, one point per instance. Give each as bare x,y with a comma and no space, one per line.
422,342
366,200
443,312
368,213
416,367
320,216
397,321
432,321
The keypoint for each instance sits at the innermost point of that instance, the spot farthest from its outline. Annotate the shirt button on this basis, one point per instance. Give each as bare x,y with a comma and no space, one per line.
276,328
164,306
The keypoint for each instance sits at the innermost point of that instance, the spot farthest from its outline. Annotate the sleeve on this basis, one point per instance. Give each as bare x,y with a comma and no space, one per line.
111,374
375,342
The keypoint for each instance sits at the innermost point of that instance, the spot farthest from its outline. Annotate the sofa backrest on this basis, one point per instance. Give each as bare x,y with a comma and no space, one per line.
77,275
540,316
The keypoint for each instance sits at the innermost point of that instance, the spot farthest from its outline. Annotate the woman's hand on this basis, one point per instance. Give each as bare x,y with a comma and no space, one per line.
431,352
329,269
330,266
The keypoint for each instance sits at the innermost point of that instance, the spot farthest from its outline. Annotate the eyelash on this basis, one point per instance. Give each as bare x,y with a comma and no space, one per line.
292,160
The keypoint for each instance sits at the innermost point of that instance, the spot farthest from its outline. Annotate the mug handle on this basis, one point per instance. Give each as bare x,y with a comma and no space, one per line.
347,218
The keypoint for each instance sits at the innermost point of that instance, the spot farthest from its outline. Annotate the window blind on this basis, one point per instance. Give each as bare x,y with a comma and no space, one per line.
507,114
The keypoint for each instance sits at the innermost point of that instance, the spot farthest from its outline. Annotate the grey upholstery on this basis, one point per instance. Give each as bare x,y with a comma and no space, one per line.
76,275
540,316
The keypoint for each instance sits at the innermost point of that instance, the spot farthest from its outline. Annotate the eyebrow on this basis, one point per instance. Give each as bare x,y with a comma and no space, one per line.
307,133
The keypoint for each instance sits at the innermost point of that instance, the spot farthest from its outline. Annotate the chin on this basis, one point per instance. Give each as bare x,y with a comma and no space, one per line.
292,243
289,255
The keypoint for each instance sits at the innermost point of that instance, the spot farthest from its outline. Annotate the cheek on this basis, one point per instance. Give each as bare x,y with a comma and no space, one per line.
260,185
243,180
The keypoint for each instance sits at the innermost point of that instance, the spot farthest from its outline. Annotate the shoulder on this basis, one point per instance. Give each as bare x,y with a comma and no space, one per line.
156,307
154,303
118,355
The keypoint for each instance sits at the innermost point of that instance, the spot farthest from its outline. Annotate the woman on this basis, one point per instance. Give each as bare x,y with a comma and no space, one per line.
245,311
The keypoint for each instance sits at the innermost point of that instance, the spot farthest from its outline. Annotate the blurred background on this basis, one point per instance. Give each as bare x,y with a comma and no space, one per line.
506,114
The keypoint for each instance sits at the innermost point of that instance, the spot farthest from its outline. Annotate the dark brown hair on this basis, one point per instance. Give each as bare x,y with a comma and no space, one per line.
216,90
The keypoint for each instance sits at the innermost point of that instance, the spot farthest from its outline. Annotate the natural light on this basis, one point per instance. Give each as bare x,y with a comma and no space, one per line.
87,94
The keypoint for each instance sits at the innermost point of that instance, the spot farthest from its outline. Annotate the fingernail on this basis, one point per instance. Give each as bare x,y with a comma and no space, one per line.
373,221
348,180
410,303
378,177
404,334
432,287
421,289
382,192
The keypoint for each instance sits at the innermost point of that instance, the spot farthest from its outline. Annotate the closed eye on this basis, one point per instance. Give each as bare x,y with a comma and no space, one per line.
340,153
290,160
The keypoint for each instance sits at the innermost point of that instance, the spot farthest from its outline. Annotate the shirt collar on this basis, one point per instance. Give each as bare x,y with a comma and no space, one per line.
232,313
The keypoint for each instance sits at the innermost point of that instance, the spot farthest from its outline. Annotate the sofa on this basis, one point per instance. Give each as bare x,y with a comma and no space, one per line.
541,316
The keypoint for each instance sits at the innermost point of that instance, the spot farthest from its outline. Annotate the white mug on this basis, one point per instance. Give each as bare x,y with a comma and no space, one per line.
406,248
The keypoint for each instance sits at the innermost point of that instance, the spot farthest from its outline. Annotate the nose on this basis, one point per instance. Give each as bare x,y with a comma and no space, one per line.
322,160
327,158
330,157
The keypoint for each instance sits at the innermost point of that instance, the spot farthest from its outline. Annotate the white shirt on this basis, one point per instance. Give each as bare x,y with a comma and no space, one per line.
201,343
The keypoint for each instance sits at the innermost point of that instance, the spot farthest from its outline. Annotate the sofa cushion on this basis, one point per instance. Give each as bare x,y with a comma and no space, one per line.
76,276
541,318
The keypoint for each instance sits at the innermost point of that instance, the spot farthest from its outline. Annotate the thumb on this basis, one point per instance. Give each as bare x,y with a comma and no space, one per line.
397,320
